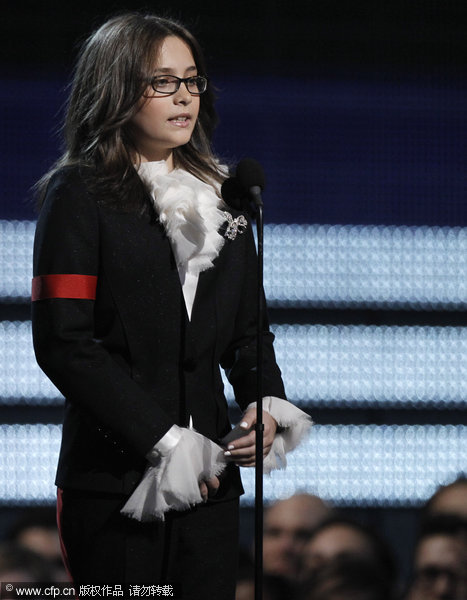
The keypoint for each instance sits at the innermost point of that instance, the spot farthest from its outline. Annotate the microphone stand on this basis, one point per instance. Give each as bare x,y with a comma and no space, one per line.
259,427
235,188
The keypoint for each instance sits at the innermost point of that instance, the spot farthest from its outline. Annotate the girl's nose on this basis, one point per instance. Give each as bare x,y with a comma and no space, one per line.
182,95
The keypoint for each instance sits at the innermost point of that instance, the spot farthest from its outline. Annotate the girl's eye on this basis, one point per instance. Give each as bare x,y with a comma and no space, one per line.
161,81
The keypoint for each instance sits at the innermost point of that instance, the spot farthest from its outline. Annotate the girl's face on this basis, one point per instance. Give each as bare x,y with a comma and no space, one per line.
163,123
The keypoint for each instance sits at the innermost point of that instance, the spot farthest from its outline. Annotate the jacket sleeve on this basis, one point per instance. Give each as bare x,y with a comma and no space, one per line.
66,269
239,360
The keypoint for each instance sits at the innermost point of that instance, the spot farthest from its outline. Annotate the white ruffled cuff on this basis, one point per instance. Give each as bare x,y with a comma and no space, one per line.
295,424
171,482
165,445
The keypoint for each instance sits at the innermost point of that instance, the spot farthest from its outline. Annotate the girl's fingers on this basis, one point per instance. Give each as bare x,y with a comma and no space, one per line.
243,442
212,485
248,441
249,418
246,447
203,488
209,487
242,451
249,459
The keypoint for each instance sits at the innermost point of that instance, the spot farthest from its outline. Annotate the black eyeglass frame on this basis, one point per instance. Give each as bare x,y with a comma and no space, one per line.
202,78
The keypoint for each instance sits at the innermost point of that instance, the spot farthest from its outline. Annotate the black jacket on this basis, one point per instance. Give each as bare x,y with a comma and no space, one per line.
129,363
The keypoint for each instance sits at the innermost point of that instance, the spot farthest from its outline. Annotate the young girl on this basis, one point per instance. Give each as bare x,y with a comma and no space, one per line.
141,290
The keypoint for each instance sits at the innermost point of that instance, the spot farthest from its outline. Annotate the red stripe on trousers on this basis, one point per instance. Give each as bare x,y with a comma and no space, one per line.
59,525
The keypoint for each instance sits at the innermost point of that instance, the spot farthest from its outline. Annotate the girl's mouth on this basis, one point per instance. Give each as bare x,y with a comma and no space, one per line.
181,121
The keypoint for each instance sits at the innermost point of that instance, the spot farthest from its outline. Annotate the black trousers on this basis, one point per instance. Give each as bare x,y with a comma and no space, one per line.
197,549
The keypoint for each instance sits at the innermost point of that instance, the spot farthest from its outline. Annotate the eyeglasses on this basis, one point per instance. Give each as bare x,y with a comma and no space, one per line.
166,85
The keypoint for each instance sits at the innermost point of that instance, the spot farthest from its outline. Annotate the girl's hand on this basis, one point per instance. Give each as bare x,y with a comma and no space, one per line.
209,487
243,450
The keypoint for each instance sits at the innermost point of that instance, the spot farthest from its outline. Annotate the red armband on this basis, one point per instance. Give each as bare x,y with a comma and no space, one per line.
64,286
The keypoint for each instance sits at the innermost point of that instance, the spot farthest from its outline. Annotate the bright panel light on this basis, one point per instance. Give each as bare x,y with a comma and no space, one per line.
319,265
397,465
322,365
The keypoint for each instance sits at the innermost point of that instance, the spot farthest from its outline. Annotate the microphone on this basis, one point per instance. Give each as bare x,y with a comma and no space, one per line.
250,176
233,194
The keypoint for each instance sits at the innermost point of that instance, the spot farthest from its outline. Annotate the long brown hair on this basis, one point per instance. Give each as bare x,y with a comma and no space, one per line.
110,77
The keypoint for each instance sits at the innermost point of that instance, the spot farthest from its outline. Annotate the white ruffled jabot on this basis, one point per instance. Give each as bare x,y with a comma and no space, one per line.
189,211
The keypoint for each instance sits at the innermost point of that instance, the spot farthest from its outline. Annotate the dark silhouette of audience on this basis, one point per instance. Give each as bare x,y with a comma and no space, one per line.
347,578
349,552
19,564
311,552
288,525
449,499
440,559
36,530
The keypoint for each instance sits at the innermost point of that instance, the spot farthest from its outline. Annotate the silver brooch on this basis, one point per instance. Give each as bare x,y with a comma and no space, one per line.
234,226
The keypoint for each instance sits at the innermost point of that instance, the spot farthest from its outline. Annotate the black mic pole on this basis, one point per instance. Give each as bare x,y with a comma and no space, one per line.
259,428
250,178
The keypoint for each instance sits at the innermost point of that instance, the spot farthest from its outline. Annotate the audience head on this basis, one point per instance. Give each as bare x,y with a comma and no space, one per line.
347,578
36,530
440,560
449,499
274,588
288,525
23,565
340,538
